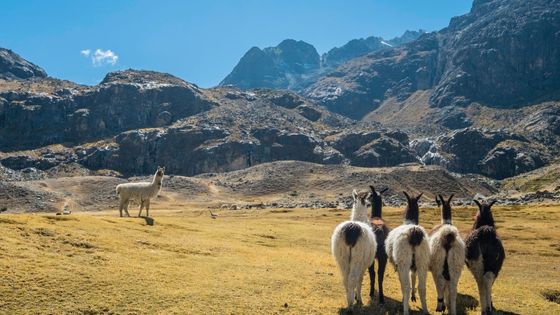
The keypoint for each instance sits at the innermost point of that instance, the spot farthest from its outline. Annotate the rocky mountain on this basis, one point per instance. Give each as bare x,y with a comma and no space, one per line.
12,66
296,64
502,54
396,106
283,66
363,46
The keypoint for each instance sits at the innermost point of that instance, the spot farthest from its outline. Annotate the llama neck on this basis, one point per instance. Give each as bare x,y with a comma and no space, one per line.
411,214
376,209
483,219
359,213
446,216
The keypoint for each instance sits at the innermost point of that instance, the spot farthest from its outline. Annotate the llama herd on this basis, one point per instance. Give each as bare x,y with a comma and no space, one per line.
357,243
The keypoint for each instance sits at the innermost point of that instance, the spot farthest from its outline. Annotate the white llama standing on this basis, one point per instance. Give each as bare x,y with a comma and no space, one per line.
447,258
142,192
408,250
353,247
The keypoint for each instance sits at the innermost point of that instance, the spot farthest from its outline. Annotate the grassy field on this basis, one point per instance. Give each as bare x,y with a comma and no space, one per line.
243,262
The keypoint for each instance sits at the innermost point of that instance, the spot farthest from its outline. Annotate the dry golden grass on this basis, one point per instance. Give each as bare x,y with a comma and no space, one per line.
243,262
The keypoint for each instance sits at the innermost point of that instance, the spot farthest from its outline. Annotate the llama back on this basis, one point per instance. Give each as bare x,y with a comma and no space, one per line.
447,240
485,241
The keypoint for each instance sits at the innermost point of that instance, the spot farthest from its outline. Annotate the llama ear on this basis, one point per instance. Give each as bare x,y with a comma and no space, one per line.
491,203
418,198
372,189
477,203
450,197
406,195
383,190
354,195
438,202
441,198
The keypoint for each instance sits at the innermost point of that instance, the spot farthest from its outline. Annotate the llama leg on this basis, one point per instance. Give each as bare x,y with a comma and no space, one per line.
380,275
126,207
351,290
453,296
488,282
439,288
371,271
405,288
121,206
148,207
140,208
482,294
422,275
413,278
359,290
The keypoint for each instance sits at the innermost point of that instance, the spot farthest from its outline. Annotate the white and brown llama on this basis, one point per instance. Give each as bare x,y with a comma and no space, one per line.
353,247
142,192
380,230
447,251
408,250
484,254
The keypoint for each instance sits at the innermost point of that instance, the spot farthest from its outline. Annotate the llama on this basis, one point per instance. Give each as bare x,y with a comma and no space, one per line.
381,230
143,192
408,250
447,251
484,254
353,247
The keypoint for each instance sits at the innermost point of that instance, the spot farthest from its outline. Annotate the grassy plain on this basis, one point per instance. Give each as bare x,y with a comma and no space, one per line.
244,262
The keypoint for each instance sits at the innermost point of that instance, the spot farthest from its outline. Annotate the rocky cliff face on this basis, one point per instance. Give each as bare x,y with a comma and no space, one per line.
75,114
12,66
502,54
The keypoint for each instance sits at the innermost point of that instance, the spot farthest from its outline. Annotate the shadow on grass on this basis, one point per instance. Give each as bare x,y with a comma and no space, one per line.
149,221
391,306
465,303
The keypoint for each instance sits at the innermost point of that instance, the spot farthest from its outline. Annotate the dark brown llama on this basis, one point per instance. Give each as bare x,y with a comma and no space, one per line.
381,230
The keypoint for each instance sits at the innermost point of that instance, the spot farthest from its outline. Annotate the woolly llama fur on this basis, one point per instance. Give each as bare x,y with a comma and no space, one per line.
142,192
447,258
485,254
408,250
353,247
380,230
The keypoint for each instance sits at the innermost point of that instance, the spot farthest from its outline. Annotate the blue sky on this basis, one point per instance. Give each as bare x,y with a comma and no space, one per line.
199,41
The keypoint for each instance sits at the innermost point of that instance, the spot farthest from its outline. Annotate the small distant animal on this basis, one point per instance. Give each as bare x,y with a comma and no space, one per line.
212,215
142,192
3,209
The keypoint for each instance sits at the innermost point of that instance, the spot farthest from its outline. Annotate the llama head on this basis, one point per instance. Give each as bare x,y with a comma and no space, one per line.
360,206
160,171
484,214
362,198
412,211
445,208
376,201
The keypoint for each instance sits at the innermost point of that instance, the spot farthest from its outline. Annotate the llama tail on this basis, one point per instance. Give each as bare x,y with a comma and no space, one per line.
352,232
448,241
415,237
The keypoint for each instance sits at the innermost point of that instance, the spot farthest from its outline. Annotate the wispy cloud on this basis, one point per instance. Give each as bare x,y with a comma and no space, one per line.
101,57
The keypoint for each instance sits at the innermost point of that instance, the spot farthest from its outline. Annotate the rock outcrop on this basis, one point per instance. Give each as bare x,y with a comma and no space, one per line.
503,53
12,66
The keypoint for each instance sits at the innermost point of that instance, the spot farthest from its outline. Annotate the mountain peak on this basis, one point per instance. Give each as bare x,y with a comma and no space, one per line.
13,66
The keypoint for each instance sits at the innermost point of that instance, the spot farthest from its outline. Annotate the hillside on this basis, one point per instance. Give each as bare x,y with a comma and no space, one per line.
287,184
